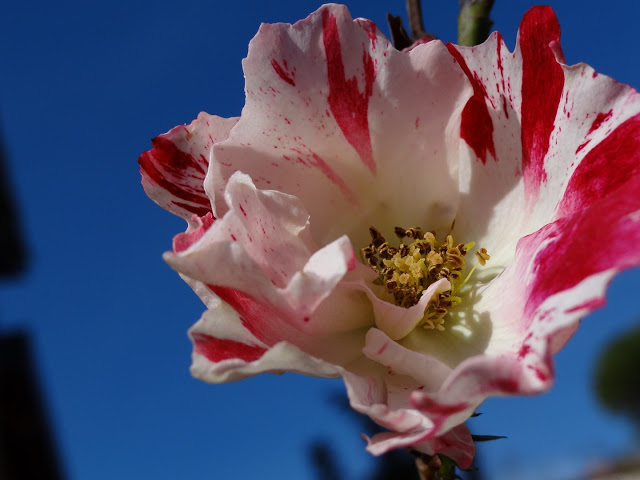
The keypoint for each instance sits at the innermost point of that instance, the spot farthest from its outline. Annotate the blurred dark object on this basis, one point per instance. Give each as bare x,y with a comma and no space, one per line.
26,448
617,376
12,252
324,461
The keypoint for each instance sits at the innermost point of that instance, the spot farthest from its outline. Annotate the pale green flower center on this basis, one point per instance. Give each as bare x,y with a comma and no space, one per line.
408,270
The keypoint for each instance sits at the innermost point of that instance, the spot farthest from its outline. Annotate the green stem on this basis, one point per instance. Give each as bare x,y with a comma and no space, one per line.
438,467
474,23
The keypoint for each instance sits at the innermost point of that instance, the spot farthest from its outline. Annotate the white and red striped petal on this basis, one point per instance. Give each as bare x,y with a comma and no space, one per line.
224,349
259,259
173,171
542,139
354,128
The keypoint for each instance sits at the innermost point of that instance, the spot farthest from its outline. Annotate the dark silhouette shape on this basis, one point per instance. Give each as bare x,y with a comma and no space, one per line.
12,252
26,448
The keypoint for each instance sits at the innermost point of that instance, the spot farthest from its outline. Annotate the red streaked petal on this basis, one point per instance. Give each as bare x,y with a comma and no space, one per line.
542,85
605,168
598,238
224,350
197,228
349,106
334,139
476,125
173,171
218,349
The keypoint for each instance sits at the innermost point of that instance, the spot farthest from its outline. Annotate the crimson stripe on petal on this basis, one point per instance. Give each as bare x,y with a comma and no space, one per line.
282,72
254,316
476,127
595,239
608,166
349,107
542,84
219,349
177,173
425,403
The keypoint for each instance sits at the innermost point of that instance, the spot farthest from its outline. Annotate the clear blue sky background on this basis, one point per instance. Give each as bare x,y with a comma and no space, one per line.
84,85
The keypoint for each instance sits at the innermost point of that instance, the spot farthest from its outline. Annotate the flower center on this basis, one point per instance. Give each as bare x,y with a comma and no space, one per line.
407,271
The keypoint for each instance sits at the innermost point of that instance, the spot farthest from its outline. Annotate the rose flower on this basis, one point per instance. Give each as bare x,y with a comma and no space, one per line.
430,225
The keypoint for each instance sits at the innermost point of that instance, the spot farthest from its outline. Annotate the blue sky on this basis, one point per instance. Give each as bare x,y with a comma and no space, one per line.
83,87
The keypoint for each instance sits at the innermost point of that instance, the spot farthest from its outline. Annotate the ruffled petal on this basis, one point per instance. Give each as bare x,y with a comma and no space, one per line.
356,129
196,229
456,444
536,303
468,386
224,350
173,171
262,246
385,401
562,270
380,388
393,320
260,260
428,372
540,137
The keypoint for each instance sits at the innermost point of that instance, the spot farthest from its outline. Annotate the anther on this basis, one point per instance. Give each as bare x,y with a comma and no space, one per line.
383,250
399,231
387,272
444,273
482,256
414,232
376,237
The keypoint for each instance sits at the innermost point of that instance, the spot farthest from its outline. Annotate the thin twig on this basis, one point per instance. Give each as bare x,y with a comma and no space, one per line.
416,24
399,36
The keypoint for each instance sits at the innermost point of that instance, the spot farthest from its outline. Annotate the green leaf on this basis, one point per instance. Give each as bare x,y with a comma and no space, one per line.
486,438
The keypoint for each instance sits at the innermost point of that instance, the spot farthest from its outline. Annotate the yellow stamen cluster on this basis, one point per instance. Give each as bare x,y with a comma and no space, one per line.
407,271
